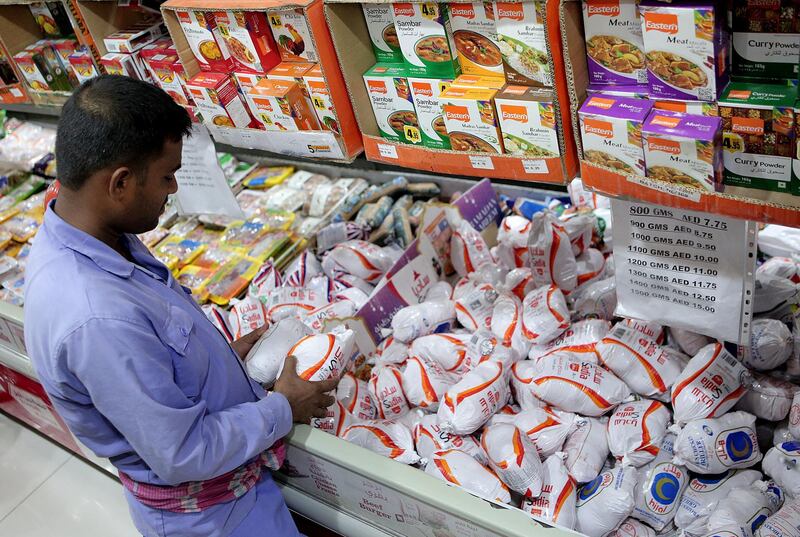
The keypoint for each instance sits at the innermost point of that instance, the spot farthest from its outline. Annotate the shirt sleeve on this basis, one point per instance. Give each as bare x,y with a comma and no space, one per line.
129,376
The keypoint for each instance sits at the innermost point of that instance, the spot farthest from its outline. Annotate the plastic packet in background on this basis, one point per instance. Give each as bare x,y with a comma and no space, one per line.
631,527
336,421
783,523
545,314
219,318
422,319
639,361
338,232
591,265
439,291
425,382
411,418
468,249
392,351
747,507
782,432
304,267
552,259
547,428
587,449
605,502
688,342
267,279
386,438
474,399
429,438
768,398
651,329
660,488
709,386
712,446
774,296
295,302
513,457
342,282
246,315
519,282
636,431
354,395
771,344
780,463
265,359
386,388
521,379
474,309
484,345
459,468
580,340
512,239
704,494
358,258
581,387
507,323
323,356
783,267
448,350
340,309
595,299
579,228
556,504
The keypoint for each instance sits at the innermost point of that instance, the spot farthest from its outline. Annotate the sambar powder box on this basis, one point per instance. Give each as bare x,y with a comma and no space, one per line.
390,95
382,32
527,119
426,39
425,93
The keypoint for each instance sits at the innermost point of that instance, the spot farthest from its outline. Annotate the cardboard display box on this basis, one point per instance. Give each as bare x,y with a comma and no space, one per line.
355,53
314,143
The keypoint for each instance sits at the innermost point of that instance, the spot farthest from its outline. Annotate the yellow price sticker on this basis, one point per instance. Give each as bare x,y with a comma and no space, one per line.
443,86
412,134
223,29
319,103
430,10
732,142
275,20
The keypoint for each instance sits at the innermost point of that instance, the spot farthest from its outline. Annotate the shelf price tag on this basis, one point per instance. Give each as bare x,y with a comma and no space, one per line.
534,166
685,269
387,151
480,162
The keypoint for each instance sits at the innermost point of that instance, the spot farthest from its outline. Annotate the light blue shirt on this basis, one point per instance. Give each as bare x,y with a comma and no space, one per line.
143,378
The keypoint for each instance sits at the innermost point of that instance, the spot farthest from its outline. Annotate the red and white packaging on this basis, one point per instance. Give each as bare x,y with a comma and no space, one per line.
768,398
474,399
483,345
688,342
783,267
783,523
519,282
552,259
771,345
219,318
429,438
581,387
714,445
650,329
340,309
604,503
217,100
386,388
391,351
512,241
513,457
579,228
424,383
703,495
461,469
353,394
521,382
474,308
385,438
579,339
336,421
117,63
661,485
412,418
590,265
631,527
246,315
547,428
323,356
556,504
265,359
636,430
780,463
300,271
709,386
358,258
295,302
248,38
587,449
595,299
267,279
545,315
639,361
353,294
448,350
468,248
419,320
507,323
161,69
198,28
342,281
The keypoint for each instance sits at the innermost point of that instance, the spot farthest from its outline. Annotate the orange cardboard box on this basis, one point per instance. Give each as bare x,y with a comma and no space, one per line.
281,105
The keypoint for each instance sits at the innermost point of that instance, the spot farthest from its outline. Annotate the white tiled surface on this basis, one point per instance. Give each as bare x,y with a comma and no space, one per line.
46,491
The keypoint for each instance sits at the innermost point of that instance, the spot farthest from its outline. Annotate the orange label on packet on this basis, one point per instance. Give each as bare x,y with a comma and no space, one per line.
600,128
604,8
661,22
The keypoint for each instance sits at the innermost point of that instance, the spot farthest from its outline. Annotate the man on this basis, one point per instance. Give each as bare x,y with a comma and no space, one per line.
129,359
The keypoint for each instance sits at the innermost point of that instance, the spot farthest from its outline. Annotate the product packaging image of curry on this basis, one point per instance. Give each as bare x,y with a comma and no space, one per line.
470,119
527,119
218,100
320,96
248,39
758,123
382,33
523,44
390,95
687,49
611,132
291,31
425,93
426,39
614,45
683,149
281,106
475,38
197,26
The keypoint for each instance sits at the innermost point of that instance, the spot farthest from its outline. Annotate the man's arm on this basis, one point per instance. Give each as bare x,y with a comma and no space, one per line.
129,376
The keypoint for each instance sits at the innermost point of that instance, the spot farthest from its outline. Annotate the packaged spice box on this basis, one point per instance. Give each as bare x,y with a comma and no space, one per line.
614,45
527,121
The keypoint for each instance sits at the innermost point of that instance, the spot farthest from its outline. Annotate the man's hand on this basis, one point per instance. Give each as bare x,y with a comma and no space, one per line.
307,399
243,345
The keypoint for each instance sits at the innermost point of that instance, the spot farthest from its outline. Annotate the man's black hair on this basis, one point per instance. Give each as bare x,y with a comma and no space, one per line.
115,121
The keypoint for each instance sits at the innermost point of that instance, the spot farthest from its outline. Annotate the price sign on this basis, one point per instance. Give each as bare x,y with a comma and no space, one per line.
534,166
387,151
481,163
685,269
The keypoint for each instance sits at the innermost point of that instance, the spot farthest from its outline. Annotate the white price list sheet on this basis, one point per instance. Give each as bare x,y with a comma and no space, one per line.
685,269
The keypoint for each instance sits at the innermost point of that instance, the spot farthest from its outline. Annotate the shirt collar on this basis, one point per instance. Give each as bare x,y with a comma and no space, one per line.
81,242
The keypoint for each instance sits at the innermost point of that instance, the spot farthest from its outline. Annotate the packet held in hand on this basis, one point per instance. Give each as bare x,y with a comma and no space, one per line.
635,431
547,427
448,350
709,386
768,398
545,315
468,249
639,361
704,494
780,463
384,437
552,259
580,340
266,357
475,398
386,388
784,523
422,319
354,395
771,344
429,438
556,504
605,502
358,258
323,356
712,446
747,507
474,309
581,387
246,315
424,383
587,449
513,457
507,323
661,485
457,467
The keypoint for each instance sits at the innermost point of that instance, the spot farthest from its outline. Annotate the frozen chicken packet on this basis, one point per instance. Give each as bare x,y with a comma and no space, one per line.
551,255
780,463
512,239
556,504
468,248
448,350
771,344
712,446
587,449
521,380
605,502
353,394
660,488
784,523
747,507
595,299
458,468
429,438
359,258
323,356
386,438
392,351
386,389
635,431
507,323
545,315
424,383
547,427
580,340
336,420
422,319
513,457
475,398
474,309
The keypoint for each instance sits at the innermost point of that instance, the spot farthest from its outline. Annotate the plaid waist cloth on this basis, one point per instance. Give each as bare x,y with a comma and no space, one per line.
195,496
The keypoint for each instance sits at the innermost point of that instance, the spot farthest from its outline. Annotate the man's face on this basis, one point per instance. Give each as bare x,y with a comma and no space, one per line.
151,192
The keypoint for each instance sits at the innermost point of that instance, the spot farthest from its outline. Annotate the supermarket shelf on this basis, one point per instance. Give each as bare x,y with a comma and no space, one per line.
782,209
34,109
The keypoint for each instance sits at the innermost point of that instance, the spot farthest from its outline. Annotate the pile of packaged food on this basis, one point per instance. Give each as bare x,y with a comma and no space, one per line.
470,76
668,100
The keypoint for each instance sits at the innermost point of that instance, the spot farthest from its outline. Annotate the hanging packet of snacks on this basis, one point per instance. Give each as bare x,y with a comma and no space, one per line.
605,502
660,487
712,446
386,438
551,255
587,449
545,315
429,438
474,399
556,503
513,457
635,431
265,359
386,388
457,467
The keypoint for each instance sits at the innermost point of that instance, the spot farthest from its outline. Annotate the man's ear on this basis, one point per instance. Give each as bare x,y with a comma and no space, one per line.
120,183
